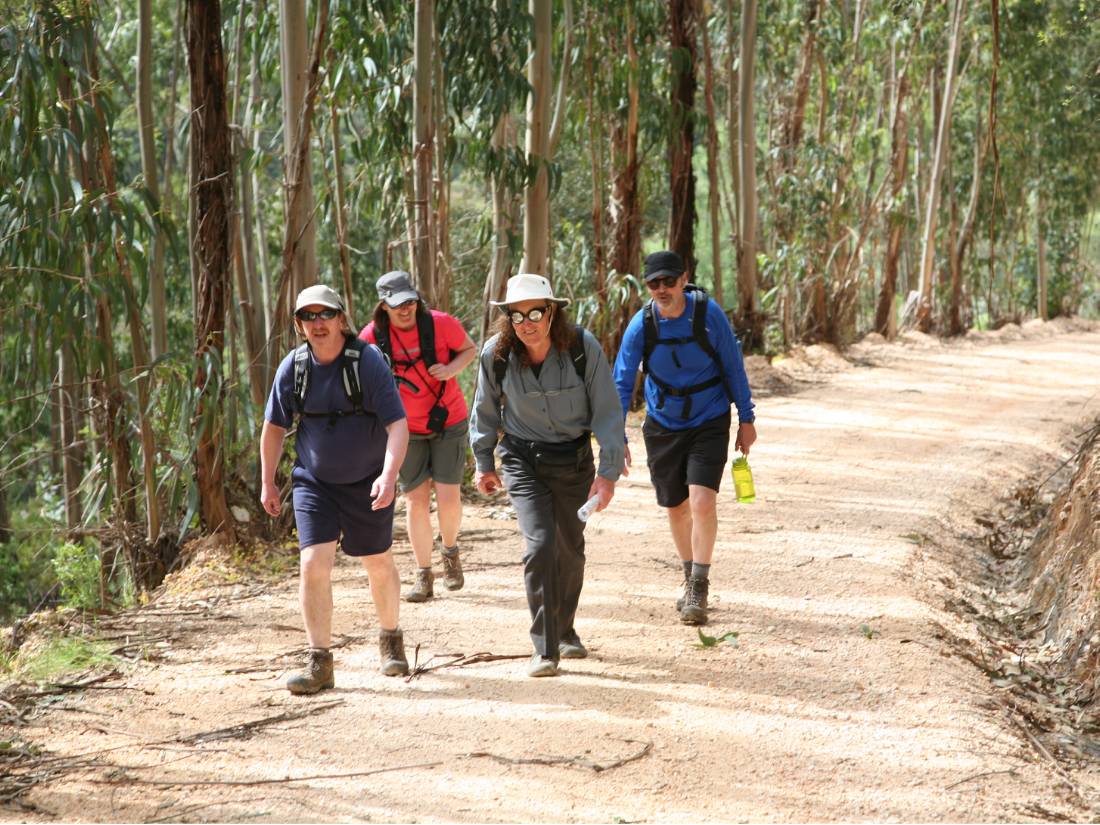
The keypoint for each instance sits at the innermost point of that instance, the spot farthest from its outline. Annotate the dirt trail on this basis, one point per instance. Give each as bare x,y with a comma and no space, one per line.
840,701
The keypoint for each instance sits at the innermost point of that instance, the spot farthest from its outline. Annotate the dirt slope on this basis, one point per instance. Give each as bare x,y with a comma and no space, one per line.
840,701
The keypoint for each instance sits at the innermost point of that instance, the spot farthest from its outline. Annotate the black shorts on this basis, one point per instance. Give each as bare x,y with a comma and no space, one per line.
677,458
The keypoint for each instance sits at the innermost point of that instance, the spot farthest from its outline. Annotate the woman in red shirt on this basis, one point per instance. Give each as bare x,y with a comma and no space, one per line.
437,416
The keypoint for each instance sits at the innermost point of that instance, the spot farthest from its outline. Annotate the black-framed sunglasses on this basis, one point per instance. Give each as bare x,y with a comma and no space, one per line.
532,315
324,314
668,282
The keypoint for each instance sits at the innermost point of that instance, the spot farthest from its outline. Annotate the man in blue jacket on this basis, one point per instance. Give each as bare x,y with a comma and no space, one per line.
693,372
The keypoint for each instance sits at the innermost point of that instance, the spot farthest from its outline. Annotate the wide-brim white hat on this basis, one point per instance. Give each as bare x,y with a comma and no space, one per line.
529,288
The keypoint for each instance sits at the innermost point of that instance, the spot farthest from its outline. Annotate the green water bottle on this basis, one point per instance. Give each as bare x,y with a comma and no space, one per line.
742,479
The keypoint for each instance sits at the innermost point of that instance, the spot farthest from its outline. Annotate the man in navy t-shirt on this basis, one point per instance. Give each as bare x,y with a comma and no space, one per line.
349,449
694,371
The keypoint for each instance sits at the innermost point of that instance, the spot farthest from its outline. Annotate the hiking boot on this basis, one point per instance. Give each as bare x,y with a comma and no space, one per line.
570,646
391,650
541,666
452,570
683,592
316,676
694,610
422,589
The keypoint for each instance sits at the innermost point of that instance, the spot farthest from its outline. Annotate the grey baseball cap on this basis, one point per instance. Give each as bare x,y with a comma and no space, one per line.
395,288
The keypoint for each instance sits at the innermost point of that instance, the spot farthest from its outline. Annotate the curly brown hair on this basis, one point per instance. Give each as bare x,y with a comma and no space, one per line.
562,333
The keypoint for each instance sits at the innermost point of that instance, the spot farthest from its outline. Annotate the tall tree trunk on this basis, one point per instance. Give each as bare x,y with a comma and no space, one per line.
966,231
423,250
751,326
995,63
885,317
536,215
68,383
442,183
712,165
340,209
299,259
253,195
212,202
301,228
240,226
923,319
596,130
138,349
624,205
505,221
147,142
732,115
683,22
1041,250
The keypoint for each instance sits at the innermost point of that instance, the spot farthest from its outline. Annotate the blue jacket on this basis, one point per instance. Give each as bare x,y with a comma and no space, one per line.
684,365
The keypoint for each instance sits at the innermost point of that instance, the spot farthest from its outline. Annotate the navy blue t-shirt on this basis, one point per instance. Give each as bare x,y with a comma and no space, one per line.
347,448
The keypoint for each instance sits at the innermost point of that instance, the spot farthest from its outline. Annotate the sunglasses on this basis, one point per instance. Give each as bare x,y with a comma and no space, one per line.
405,304
668,282
533,315
324,314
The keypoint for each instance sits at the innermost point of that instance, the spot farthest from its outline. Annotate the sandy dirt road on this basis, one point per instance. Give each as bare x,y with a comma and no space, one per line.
839,701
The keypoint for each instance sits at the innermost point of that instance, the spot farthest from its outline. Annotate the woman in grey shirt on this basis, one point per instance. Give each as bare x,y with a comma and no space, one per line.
547,385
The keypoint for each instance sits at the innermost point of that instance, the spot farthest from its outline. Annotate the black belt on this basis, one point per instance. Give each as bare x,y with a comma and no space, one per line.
550,452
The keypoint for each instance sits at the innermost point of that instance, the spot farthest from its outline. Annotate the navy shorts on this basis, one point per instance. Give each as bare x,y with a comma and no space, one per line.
677,458
326,512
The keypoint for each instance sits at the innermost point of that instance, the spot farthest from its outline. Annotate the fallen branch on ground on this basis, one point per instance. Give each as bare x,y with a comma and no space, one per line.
245,729
457,660
129,780
569,761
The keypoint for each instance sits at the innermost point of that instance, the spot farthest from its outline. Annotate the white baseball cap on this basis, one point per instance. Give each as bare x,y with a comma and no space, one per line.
528,288
326,296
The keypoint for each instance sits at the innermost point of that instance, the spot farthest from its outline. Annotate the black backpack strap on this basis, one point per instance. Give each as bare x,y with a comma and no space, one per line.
699,331
649,334
302,365
425,330
500,367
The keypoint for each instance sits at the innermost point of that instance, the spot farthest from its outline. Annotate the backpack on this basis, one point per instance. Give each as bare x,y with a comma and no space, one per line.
699,336
349,365
576,355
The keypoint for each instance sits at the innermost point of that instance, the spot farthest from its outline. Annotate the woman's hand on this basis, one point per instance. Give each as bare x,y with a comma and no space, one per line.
487,482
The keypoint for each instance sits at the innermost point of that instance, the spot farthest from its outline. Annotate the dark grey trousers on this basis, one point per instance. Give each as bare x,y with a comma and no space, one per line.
546,492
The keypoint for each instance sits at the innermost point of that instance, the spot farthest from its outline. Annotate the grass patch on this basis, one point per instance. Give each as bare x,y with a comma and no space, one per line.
59,656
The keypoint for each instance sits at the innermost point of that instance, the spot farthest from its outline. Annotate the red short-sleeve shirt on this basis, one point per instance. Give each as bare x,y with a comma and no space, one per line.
450,337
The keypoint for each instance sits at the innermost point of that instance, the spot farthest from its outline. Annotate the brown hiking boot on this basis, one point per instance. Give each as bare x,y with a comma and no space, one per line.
452,570
683,592
316,676
391,650
422,589
694,610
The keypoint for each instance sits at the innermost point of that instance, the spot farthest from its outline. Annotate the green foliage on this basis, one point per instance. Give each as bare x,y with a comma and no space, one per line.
729,638
60,656
77,569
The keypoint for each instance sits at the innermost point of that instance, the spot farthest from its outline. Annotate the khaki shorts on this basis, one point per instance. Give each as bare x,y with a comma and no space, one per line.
440,457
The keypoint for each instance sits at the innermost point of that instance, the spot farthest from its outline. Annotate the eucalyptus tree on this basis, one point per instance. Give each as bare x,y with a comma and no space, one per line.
211,194
684,24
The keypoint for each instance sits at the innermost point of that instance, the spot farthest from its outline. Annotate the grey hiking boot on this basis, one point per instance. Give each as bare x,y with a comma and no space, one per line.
452,570
541,666
316,676
571,647
422,589
694,610
391,650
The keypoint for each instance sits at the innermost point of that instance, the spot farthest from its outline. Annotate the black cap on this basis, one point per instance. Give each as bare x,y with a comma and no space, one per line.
659,264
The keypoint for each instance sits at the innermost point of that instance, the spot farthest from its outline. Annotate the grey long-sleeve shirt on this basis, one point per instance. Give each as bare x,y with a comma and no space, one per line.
554,407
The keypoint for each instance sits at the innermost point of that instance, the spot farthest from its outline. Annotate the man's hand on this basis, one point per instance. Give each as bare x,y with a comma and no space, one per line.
381,492
626,461
442,372
746,437
487,482
269,498
604,489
